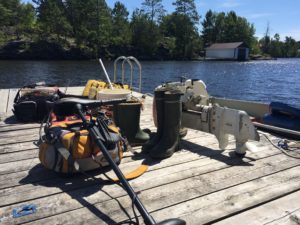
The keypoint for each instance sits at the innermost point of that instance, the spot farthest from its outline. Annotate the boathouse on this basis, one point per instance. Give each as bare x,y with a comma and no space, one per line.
230,51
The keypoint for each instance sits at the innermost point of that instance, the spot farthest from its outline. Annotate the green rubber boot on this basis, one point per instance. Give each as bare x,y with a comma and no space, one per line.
182,132
171,125
127,118
159,102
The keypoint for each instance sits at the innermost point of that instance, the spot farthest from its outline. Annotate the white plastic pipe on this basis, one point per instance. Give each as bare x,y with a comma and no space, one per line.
107,77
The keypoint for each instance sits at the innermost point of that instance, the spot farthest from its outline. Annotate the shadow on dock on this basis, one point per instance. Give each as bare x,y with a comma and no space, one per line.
232,159
77,186
10,120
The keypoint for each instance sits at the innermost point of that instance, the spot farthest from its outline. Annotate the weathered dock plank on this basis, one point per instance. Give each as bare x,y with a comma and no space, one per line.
16,147
281,211
12,178
200,183
19,156
165,195
232,200
169,174
3,100
10,102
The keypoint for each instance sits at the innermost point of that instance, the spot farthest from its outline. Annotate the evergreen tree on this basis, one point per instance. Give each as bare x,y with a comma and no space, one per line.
144,34
154,9
95,28
266,41
238,29
121,34
290,47
16,20
185,18
221,27
25,20
91,22
52,20
187,8
209,28
276,46
8,12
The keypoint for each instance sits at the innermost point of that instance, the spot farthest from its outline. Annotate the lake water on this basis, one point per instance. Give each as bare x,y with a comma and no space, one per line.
264,81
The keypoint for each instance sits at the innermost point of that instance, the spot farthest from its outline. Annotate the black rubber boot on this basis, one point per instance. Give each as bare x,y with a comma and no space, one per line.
171,125
159,102
127,118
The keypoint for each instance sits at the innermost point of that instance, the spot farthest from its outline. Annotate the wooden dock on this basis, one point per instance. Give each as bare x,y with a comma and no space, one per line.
200,183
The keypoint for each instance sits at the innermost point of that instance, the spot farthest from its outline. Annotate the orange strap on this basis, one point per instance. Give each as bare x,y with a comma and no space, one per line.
134,173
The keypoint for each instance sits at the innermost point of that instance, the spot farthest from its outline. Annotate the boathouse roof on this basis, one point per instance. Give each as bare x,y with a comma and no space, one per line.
227,45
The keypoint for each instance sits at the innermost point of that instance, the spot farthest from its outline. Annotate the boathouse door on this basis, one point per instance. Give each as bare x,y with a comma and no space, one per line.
242,54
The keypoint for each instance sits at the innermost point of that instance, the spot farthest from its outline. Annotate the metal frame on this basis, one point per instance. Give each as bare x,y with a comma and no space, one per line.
128,60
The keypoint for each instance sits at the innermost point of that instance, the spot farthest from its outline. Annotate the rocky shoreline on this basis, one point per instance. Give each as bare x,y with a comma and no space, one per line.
41,50
45,50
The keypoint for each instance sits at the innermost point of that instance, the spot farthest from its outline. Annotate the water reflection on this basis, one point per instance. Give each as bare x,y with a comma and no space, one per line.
264,81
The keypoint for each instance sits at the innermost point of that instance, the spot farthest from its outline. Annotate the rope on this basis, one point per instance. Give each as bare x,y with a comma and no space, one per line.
283,146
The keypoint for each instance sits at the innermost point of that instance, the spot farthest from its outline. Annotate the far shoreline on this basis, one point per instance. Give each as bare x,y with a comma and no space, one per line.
39,51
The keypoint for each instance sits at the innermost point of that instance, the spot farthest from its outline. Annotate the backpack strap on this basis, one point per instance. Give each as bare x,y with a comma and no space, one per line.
134,173
68,157
107,136
18,94
71,161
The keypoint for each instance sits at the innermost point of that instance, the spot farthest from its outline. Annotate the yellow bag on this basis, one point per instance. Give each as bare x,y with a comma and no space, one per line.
74,148
99,85
68,149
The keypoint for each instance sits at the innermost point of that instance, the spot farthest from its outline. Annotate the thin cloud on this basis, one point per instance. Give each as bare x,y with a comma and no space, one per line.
201,4
230,4
259,15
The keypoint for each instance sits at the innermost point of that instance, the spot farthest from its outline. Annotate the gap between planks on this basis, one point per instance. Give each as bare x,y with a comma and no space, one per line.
161,179
174,194
272,212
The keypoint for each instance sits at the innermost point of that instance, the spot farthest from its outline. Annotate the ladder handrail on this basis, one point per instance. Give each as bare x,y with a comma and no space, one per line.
140,68
131,71
127,59
115,66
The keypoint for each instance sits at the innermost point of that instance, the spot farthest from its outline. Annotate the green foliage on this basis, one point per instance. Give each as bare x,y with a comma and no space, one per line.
142,27
91,27
288,48
187,8
222,28
26,20
52,20
182,26
153,9
210,27
121,34
90,22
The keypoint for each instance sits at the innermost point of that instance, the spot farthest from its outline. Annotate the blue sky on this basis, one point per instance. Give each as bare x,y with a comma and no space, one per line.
283,16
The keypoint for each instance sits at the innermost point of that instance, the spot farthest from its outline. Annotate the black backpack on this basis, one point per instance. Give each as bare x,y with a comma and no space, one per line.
30,103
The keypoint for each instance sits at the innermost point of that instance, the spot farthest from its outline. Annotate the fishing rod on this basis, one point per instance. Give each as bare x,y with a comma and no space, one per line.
106,75
73,106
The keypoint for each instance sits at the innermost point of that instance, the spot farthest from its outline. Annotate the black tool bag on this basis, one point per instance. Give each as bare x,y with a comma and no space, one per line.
30,103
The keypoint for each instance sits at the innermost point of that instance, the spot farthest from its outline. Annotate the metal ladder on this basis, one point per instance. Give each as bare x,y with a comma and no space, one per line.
128,60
